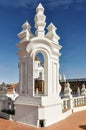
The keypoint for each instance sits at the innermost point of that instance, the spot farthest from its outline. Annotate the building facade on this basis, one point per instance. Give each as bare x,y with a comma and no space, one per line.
74,84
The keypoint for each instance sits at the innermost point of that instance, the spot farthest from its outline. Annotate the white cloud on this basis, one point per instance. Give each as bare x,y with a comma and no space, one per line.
18,3
63,3
33,3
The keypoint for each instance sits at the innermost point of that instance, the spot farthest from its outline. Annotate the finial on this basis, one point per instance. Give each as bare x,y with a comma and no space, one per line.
40,21
51,34
51,26
40,8
26,25
40,5
25,34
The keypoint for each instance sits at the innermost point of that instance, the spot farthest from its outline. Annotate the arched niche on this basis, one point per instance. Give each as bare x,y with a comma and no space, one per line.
40,73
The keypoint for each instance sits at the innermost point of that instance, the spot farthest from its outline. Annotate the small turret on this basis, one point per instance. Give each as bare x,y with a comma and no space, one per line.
51,35
40,21
25,34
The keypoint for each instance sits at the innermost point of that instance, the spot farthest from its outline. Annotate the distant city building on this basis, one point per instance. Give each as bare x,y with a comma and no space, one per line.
74,83
12,91
7,96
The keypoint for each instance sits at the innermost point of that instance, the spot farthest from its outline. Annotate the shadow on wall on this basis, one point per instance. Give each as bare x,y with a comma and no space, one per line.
83,127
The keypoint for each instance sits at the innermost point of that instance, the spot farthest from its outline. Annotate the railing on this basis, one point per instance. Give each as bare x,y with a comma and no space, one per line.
79,101
66,103
70,103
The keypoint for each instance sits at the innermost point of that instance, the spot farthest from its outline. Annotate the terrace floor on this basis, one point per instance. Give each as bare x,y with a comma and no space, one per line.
76,121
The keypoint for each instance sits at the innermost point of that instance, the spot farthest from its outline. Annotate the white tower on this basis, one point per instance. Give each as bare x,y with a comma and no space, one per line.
44,109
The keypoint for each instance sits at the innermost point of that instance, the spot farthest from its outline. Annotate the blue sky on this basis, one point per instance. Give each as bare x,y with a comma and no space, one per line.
69,16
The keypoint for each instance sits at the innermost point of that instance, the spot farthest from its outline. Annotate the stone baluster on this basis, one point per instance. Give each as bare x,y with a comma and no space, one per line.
75,102
65,104
78,101
83,100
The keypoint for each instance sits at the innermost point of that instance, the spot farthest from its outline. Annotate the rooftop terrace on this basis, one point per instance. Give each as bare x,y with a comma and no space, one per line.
77,121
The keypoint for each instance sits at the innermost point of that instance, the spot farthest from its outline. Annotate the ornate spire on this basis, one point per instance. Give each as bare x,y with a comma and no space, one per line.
51,35
25,34
40,21
78,91
67,91
83,90
40,7
26,25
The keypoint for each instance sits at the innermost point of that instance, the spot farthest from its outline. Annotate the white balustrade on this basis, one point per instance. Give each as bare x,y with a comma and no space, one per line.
75,101
70,102
66,103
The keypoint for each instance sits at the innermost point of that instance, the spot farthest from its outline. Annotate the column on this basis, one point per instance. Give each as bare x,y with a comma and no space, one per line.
20,77
54,77
26,75
58,89
23,77
30,77
45,75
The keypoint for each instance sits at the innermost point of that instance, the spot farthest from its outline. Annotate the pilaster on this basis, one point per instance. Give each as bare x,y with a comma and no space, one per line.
30,77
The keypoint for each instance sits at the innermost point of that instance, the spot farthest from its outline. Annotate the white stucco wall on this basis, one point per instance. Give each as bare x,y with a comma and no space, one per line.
50,114
53,114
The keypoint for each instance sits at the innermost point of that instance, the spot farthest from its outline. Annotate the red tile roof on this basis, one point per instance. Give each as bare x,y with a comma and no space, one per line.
37,59
13,86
